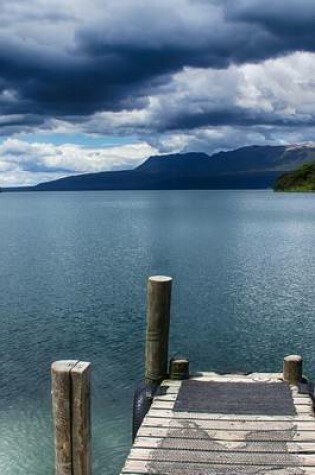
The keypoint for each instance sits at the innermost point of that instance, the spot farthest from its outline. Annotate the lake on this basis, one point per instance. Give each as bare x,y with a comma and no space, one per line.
73,270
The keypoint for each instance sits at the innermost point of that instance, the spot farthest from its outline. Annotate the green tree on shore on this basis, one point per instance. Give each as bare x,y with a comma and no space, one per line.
302,179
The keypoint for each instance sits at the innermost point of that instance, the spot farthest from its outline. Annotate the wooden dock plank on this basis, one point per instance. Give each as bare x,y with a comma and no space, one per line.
221,445
232,435
140,467
249,425
240,378
169,414
230,457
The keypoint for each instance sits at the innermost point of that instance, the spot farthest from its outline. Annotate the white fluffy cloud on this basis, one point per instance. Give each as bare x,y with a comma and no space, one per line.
269,102
273,92
22,163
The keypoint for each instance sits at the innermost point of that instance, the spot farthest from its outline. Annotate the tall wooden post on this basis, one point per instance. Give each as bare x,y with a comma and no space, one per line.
158,323
293,369
71,416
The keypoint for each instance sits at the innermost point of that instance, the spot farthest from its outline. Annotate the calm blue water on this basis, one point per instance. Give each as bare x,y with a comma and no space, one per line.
73,270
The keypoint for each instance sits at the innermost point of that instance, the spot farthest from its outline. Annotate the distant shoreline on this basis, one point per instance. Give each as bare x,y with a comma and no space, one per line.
247,168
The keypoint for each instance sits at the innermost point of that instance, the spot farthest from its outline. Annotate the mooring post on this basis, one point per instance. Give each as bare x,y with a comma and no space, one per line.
179,368
293,369
71,417
158,323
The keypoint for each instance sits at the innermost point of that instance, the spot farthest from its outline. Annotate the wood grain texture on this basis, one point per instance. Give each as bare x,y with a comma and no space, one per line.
61,397
71,415
81,418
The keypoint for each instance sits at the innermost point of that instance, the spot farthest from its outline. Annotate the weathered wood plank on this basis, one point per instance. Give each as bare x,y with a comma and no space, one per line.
81,418
304,409
250,378
215,445
168,390
231,417
165,397
303,401
227,458
232,435
171,383
221,424
140,467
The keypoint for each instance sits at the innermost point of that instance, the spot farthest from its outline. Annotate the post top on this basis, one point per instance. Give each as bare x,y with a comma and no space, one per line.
160,278
180,359
296,358
63,364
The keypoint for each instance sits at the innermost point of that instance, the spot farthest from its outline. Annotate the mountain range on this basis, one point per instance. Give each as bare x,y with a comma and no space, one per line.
252,167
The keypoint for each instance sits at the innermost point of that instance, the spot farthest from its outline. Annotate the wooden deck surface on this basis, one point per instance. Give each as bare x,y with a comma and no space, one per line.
182,443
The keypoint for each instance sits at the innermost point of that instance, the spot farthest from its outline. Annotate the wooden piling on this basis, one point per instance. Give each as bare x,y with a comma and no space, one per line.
157,334
71,416
293,369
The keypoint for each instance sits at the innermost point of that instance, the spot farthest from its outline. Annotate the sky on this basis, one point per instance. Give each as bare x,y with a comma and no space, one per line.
95,85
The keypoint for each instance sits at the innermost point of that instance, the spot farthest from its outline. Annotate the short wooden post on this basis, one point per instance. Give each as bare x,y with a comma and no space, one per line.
158,323
179,368
71,416
293,369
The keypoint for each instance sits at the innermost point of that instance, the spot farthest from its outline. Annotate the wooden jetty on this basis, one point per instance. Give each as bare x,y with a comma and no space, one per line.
199,424
247,440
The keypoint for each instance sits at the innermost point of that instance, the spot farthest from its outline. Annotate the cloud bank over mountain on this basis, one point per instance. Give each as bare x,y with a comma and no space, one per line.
187,75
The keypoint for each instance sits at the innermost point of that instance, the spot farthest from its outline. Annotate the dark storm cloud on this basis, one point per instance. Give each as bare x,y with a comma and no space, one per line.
234,116
120,52
281,17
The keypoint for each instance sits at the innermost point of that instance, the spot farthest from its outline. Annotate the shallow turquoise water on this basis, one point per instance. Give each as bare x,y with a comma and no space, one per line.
73,269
